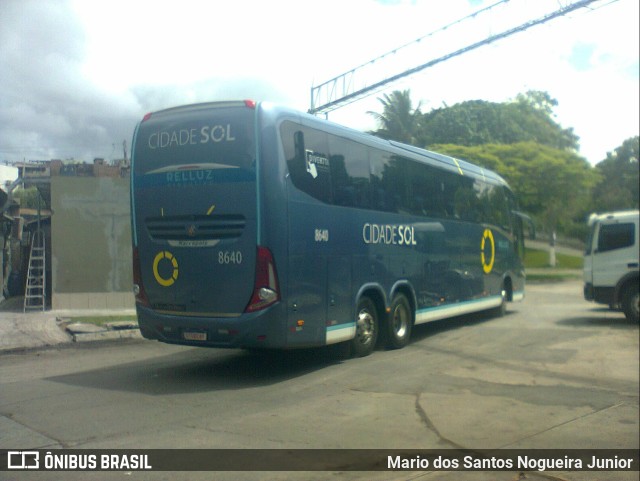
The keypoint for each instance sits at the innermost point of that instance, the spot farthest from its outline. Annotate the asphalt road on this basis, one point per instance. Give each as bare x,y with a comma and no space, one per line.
555,372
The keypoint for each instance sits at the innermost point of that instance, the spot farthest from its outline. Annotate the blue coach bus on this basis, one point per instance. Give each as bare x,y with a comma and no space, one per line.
258,226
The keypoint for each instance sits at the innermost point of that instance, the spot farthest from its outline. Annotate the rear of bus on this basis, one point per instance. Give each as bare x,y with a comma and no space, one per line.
199,276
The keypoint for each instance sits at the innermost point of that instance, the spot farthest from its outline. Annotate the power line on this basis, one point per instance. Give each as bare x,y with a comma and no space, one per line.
341,90
430,34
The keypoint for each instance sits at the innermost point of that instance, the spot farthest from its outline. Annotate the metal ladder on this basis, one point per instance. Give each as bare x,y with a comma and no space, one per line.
35,289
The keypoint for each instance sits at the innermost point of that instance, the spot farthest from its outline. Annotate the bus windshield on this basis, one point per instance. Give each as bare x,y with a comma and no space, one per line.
184,141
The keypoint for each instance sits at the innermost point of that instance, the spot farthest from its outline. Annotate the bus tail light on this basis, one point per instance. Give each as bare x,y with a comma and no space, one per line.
138,286
265,291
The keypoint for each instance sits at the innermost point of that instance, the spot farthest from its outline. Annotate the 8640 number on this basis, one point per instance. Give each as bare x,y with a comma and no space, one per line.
229,257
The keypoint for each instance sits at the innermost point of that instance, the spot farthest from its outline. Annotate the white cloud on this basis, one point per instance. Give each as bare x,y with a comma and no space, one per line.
94,69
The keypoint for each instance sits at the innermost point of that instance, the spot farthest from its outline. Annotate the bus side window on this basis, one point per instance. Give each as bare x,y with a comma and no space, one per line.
427,191
349,173
466,199
307,155
381,188
457,202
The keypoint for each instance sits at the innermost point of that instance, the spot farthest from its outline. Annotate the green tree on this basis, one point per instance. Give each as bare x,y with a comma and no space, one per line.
475,122
538,100
399,120
534,109
618,188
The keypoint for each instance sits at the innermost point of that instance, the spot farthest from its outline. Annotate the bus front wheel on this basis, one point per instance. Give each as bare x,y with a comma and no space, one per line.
366,328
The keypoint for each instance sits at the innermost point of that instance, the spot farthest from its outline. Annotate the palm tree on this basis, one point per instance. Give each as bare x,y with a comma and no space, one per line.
399,120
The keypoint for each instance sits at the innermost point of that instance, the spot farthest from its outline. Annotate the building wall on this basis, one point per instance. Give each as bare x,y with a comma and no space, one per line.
91,243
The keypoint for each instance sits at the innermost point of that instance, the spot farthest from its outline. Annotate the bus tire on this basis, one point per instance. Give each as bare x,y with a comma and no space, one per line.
367,327
501,310
631,302
400,322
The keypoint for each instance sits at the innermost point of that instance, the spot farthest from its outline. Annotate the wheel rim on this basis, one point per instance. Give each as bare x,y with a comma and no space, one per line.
635,304
400,320
365,327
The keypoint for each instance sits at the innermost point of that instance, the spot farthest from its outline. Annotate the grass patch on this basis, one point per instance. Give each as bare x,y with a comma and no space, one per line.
552,276
101,320
535,259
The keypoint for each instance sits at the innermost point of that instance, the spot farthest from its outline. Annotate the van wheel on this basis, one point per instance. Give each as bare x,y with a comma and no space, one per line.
630,302
366,328
399,324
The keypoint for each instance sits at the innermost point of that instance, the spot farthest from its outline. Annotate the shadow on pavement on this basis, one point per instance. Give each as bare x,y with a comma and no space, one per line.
202,370
617,322
433,328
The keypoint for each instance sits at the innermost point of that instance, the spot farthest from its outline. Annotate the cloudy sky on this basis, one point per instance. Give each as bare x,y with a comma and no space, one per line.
76,76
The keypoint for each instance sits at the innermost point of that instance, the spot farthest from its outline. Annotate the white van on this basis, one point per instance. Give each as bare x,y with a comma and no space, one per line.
611,261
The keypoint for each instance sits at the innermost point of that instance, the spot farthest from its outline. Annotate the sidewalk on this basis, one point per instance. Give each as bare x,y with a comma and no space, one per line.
36,329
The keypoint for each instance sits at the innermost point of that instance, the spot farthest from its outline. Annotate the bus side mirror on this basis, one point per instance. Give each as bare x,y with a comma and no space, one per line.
532,228
529,222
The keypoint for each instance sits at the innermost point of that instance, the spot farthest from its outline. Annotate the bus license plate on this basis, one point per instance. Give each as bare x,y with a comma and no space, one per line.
195,336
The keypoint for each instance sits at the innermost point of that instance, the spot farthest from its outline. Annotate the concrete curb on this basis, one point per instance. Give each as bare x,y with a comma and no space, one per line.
107,335
83,332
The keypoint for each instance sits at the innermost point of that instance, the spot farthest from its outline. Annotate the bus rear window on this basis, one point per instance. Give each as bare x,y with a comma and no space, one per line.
212,138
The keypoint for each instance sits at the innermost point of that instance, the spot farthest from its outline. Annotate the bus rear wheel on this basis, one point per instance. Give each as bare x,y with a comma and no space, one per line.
399,323
366,328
